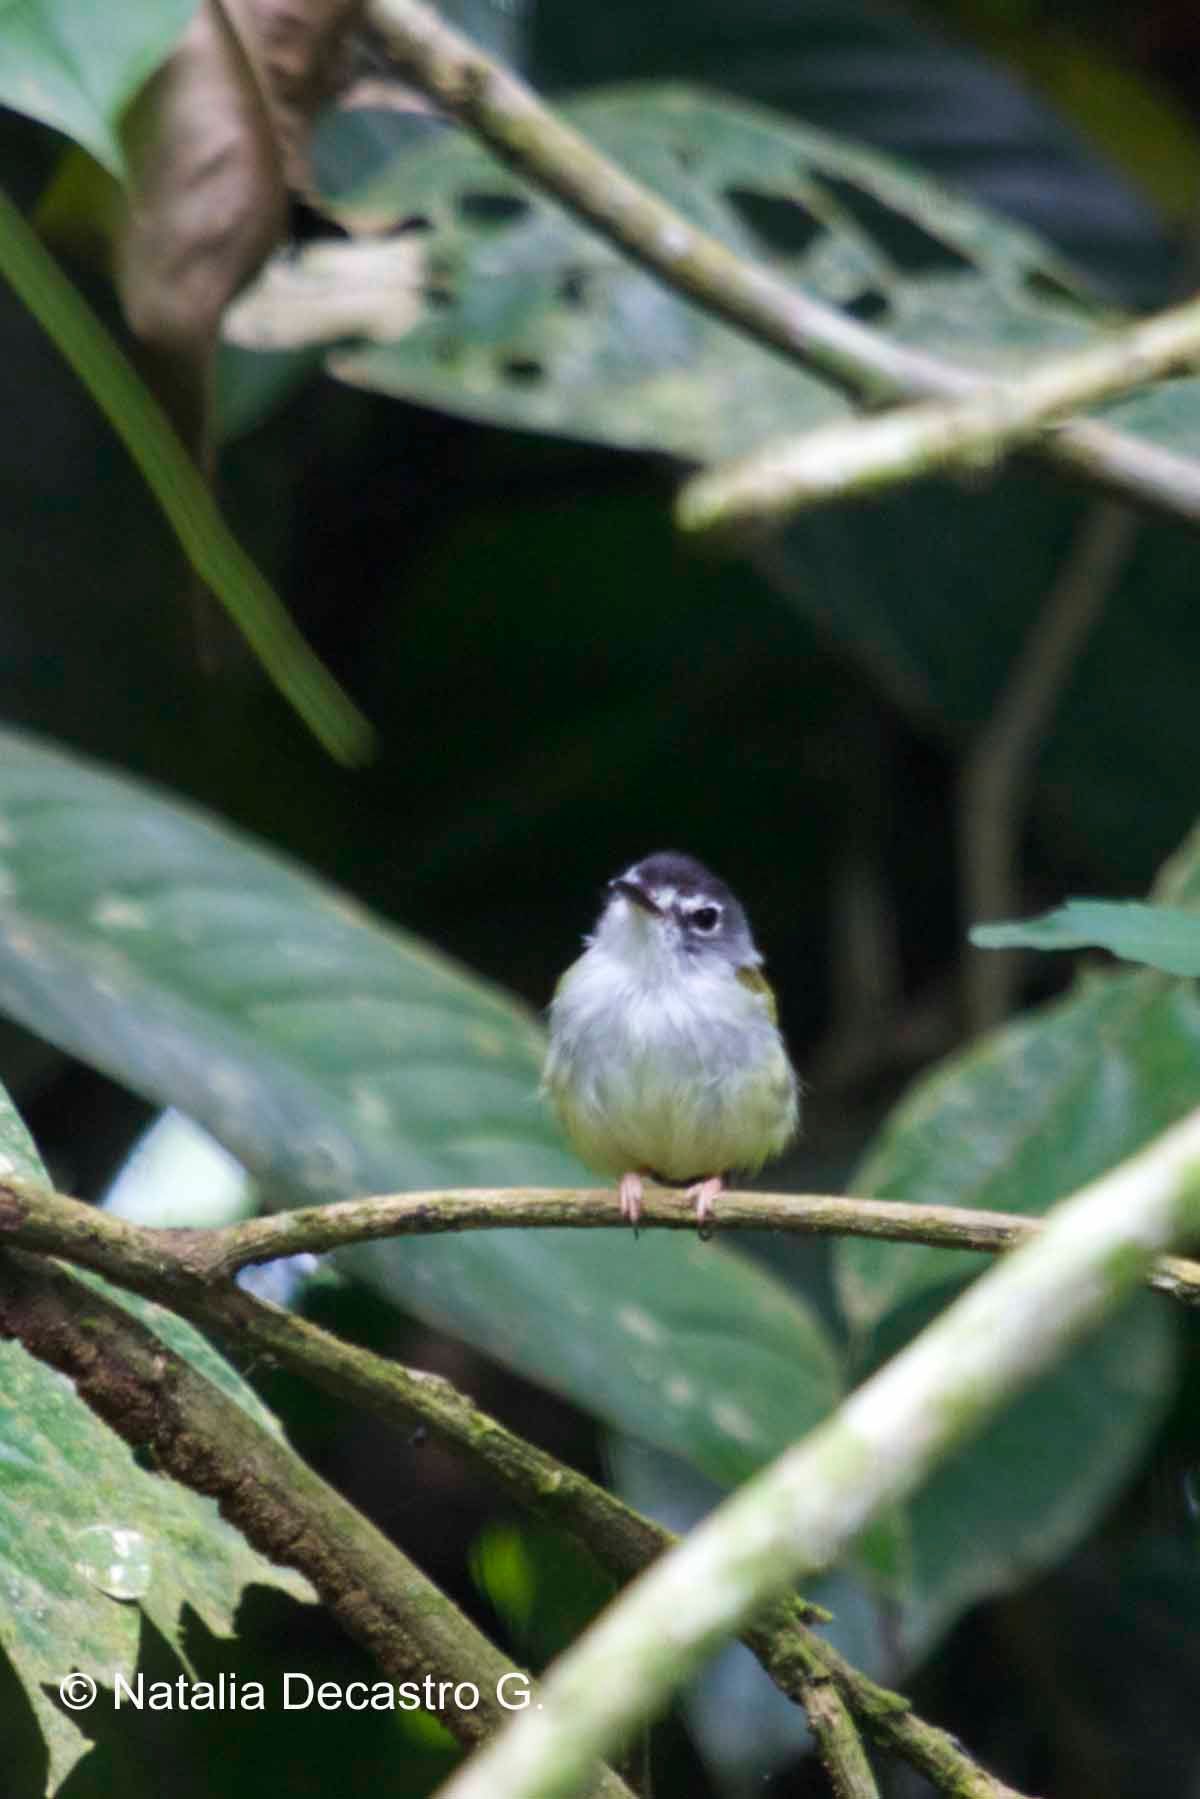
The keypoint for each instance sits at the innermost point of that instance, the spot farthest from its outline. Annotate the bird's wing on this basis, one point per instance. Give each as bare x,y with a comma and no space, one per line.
757,982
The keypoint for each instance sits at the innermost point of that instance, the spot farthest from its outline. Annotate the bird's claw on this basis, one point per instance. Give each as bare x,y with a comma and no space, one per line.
630,1194
704,1193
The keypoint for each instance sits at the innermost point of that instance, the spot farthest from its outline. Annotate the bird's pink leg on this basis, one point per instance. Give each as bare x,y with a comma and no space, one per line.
704,1193
630,1192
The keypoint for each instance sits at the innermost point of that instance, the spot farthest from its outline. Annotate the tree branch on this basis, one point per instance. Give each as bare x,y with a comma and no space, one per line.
507,116
838,1742
800,1514
199,1436
178,1262
800,1662
859,456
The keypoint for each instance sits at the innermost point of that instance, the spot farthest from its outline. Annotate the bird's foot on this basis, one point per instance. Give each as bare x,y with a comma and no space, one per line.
704,1193
630,1194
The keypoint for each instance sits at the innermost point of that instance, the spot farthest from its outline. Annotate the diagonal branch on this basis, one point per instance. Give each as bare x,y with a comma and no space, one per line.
801,1513
507,116
202,1438
859,456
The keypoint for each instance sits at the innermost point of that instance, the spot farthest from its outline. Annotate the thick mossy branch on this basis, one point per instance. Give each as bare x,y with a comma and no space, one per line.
199,1436
177,1268
800,1514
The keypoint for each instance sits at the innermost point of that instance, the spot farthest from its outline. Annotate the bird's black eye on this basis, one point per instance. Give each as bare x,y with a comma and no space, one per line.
706,918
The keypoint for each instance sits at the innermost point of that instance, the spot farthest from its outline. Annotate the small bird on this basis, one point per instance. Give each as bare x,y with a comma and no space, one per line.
665,1057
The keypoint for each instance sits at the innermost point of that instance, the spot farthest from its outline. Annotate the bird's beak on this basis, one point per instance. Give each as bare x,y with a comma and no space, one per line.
639,896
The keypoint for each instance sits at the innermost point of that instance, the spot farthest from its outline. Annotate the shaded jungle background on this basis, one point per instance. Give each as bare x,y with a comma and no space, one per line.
560,685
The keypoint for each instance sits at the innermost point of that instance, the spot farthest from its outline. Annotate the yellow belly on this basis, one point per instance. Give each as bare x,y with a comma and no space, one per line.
680,1124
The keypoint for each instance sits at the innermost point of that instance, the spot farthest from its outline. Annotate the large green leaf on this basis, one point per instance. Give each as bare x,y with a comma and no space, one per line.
536,323
82,1526
1163,937
1014,1124
911,83
18,1154
75,65
335,1057
1035,1482
541,324
1024,1117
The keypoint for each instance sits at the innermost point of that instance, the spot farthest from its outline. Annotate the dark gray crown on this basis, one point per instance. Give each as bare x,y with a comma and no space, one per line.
707,911
671,868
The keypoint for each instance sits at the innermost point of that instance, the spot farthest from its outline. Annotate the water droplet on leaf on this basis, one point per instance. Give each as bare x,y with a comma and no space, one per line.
114,1558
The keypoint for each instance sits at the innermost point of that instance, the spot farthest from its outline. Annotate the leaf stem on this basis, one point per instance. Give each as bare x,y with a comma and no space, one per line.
210,546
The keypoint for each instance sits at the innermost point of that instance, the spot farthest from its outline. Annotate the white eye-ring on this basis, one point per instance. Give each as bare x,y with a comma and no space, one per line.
705,919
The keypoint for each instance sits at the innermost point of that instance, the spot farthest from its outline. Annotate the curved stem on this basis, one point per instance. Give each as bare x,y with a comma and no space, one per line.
210,546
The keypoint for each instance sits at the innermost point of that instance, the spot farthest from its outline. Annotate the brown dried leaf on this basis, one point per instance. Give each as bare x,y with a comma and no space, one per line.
211,142
303,58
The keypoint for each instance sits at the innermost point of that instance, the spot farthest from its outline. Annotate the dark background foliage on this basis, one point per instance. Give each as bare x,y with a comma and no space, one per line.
560,685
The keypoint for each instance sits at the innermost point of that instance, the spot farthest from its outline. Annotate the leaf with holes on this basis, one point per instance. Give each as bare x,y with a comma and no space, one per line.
82,1526
536,322
335,1057
893,78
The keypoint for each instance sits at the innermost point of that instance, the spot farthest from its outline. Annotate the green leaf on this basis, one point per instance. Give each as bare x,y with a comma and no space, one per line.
1025,1116
544,1585
79,1519
332,1056
18,1154
1163,937
75,65
544,326
1165,413
1032,1485
892,78
1015,1123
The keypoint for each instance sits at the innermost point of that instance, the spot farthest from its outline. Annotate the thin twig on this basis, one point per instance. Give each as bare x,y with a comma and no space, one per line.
507,116
994,784
858,456
838,1742
36,1218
